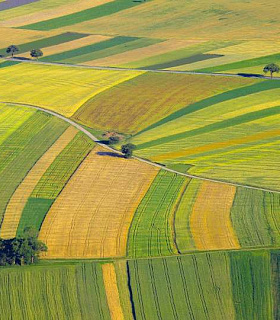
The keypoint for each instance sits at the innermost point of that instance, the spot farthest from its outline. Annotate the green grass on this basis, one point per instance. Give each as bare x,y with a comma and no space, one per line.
47,42
23,148
76,54
33,214
251,285
151,232
53,292
191,287
65,164
255,217
81,16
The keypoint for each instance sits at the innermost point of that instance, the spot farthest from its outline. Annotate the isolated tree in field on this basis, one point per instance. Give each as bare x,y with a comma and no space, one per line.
272,67
114,140
12,50
36,53
127,150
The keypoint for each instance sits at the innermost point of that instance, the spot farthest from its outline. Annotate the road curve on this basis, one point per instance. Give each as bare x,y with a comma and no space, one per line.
95,139
142,69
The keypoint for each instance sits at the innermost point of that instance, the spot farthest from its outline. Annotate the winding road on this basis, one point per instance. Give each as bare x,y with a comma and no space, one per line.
96,140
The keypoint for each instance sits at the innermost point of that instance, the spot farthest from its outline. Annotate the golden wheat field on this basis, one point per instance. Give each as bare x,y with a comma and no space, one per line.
92,215
210,218
112,292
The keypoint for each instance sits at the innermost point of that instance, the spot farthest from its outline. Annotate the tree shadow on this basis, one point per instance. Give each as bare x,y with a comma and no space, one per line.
249,75
110,154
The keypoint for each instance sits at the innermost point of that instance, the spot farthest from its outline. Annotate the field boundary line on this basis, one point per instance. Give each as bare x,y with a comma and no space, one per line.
96,140
234,75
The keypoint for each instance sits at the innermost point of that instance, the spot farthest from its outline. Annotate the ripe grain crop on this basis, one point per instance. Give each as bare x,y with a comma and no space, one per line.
91,216
210,221
18,200
112,291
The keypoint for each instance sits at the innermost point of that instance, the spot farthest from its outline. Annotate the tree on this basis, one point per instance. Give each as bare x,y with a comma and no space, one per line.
127,150
20,251
272,67
12,50
36,53
114,140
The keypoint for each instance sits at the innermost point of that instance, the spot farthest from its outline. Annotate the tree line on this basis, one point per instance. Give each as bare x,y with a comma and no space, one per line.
20,251
34,53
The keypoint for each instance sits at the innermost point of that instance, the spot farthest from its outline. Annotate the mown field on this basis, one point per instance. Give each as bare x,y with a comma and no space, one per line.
219,285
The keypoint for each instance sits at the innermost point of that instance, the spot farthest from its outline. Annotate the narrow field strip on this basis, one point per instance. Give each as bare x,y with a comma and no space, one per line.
18,200
22,149
112,291
9,4
61,169
151,231
92,214
210,221
183,235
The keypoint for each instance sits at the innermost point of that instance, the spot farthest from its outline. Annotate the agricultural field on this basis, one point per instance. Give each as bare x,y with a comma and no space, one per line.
186,228
218,285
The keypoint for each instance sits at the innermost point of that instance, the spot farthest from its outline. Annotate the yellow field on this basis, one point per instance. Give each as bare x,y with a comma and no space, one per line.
210,218
17,202
112,292
91,217
36,84
141,53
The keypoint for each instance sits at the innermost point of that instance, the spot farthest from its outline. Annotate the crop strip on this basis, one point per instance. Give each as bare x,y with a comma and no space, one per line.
112,292
210,219
17,202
